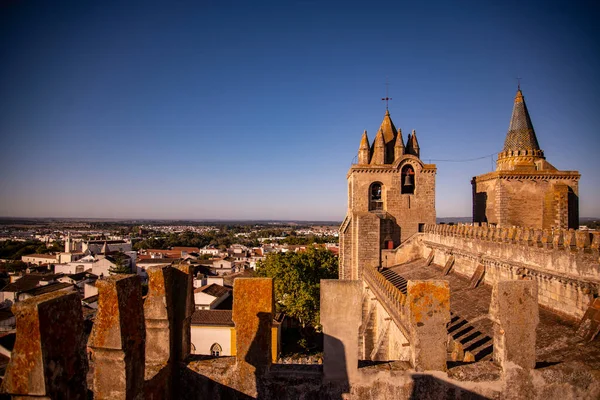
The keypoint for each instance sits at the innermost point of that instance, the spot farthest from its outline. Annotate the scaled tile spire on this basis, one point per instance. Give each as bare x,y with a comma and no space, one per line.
521,135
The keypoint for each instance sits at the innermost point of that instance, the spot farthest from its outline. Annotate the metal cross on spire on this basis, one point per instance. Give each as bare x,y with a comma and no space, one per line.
519,83
386,98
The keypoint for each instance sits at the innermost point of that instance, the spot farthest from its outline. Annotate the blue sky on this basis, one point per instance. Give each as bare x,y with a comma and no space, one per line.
225,109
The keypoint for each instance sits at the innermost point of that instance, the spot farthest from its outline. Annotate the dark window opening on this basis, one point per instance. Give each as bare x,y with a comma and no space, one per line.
375,198
216,350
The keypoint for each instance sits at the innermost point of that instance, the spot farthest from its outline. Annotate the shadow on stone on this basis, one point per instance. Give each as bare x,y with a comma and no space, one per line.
430,387
339,381
370,363
258,356
545,364
198,386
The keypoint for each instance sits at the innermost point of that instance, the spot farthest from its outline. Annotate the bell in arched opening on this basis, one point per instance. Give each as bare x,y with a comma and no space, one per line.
408,180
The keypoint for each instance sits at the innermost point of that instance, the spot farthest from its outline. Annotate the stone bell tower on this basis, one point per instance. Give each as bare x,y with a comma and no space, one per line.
391,195
526,190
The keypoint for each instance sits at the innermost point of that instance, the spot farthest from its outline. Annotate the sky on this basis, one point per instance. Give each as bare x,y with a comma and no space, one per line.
255,109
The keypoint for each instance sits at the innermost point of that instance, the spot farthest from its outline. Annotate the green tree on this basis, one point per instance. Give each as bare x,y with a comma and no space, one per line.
121,263
297,277
15,266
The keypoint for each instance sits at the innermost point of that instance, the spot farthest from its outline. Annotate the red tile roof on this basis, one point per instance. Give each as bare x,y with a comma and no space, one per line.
213,289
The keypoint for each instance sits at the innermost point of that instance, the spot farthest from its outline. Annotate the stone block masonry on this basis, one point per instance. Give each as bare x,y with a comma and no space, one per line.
167,316
183,308
253,308
564,263
49,358
159,318
48,361
428,306
117,339
340,328
514,310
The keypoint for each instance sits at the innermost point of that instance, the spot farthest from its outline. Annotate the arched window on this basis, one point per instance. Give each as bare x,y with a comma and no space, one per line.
216,350
407,184
375,197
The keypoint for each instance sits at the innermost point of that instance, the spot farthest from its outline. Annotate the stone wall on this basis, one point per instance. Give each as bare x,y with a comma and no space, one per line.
365,232
409,210
564,263
540,200
48,360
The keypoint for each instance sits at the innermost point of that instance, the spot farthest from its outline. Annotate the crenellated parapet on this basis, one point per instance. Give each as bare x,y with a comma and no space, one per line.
582,241
564,262
392,298
49,359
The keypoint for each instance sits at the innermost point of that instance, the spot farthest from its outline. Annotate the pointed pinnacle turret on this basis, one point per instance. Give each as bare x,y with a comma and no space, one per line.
399,146
378,149
412,145
364,150
105,250
521,135
364,141
387,128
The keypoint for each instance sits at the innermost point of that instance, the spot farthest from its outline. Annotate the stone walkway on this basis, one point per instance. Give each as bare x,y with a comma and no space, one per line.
556,339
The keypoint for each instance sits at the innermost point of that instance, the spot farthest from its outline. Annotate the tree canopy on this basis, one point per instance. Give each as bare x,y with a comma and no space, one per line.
296,277
122,263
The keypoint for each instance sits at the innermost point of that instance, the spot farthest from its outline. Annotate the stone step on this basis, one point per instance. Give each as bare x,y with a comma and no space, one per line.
396,280
472,339
478,343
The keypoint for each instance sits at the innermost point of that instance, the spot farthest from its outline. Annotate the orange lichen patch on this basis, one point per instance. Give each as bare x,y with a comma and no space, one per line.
159,320
118,294
118,338
107,318
253,307
156,281
428,298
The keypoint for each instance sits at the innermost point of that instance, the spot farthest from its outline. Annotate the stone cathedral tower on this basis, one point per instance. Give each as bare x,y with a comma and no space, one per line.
526,190
391,195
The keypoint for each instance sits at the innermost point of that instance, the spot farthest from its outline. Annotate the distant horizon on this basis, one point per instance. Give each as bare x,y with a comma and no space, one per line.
216,219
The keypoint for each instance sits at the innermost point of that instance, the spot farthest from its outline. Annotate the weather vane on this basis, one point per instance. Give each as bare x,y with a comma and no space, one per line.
519,83
386,98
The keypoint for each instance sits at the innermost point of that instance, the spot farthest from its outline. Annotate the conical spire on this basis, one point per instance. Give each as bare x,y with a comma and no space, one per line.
387,128
378,149
399,146
521,148
412,145
364,151
389,137
521,135
105,250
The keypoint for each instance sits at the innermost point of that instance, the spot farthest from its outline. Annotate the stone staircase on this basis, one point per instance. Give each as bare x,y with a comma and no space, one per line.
467,340
396,279
367,332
